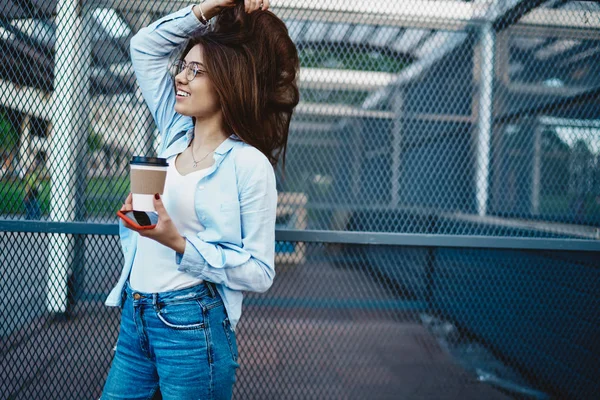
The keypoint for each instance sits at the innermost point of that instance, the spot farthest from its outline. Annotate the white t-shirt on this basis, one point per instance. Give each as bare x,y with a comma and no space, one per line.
154,267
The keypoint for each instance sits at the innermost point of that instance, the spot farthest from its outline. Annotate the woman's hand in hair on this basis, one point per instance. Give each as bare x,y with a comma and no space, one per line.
213,7
249,5
255,5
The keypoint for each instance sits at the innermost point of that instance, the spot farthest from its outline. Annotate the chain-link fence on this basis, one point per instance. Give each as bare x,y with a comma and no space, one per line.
438,223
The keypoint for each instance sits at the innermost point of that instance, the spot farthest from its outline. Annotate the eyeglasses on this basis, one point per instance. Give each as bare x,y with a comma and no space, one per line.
192,69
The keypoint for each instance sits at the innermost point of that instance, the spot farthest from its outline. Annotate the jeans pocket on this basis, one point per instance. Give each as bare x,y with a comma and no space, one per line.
181,315
231,339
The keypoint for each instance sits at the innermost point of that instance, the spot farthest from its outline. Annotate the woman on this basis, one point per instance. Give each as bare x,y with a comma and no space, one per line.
224,116
32,188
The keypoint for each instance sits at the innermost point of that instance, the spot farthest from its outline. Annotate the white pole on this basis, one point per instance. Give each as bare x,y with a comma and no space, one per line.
486,96
397,131
147,134
537,169
67,141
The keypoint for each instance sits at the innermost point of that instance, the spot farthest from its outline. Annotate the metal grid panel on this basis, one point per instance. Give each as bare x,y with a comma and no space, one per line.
341,321
399,119
426,117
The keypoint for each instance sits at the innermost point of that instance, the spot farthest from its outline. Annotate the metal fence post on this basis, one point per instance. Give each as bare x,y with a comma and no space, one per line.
67,142
398,109
536,172
485,113
147,134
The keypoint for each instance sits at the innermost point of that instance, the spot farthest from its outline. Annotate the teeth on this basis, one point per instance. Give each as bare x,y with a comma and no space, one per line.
182,93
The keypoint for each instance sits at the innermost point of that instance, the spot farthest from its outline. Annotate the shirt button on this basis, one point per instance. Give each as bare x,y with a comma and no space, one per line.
137,296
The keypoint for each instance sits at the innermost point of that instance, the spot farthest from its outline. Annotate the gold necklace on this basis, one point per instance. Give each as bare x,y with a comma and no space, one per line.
194,158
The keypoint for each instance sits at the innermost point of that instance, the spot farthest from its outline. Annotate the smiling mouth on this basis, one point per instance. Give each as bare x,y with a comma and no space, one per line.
181,93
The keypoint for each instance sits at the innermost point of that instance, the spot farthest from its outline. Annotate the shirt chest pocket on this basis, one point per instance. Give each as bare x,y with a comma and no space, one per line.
228,221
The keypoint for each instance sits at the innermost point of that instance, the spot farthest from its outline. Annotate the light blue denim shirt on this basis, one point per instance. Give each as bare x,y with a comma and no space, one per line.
236,201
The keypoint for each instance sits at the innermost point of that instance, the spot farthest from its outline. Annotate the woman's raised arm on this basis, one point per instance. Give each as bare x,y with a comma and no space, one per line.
151,49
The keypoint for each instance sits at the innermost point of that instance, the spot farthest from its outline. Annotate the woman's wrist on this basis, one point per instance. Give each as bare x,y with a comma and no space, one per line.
179,245
209,8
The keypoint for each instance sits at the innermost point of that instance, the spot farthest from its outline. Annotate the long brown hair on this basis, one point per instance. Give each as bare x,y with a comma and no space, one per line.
253,65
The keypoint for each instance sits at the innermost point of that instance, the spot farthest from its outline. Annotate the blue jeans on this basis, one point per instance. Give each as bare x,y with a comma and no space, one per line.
180,342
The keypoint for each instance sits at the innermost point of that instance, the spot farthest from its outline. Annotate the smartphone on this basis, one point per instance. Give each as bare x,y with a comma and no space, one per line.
139,219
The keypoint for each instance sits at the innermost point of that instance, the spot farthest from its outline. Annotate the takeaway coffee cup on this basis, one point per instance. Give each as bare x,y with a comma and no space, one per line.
147,177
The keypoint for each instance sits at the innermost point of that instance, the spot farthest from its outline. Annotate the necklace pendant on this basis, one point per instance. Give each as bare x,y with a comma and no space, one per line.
195,164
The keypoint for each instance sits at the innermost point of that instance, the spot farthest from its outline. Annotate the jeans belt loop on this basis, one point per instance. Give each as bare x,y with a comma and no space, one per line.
211,288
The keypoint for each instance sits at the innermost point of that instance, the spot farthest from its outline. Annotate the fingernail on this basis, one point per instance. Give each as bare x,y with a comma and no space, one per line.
157,196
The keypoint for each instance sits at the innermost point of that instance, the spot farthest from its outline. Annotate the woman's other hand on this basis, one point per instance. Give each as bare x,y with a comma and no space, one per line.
128,205
255,5
249,5
213,7
165,231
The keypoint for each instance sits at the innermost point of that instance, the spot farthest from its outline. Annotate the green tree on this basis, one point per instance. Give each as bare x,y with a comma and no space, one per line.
9,136
94,141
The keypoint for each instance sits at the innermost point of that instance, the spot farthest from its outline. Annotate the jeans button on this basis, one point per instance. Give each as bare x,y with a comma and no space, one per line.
137,296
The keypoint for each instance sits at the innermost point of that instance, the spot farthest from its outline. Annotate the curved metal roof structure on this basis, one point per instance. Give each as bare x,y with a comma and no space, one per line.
328,36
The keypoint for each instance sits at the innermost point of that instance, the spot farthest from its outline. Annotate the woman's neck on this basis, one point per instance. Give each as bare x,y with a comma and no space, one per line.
208,134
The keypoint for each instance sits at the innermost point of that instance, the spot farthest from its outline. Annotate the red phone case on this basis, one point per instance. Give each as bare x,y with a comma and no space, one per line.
133,223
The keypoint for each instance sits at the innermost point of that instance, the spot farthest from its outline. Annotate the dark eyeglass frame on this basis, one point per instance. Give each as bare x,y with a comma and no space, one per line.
193,68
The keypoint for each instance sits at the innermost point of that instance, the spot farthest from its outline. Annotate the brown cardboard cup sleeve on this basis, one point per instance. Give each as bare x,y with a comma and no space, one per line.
146,181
